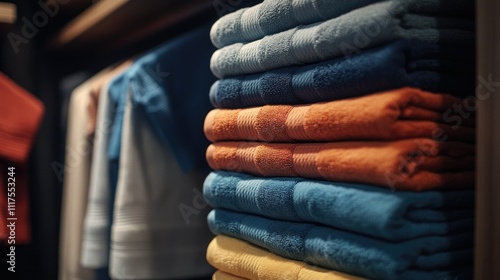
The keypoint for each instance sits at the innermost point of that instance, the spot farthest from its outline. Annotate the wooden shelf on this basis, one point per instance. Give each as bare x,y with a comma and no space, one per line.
8,16
112,24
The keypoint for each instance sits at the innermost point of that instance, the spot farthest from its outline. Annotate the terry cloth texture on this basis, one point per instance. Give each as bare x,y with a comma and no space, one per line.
150,237
20,117
274,16
220,275
245,260
391,115
402,63
433,257
360,29
412,164
353,207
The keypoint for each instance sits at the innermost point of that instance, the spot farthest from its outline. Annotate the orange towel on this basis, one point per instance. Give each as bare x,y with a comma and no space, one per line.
397,114
411,164
20,116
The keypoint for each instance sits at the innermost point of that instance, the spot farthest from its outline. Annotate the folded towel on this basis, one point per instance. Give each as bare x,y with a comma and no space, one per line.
391,115
435,257
360,29
274,16
245,260
401,63
220,275
354,207
412,164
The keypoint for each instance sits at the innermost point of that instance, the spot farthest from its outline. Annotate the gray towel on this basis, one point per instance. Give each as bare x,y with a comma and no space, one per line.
274,16
360,29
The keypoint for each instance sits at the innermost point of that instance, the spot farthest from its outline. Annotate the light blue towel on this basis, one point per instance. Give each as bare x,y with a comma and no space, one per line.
274,16
160,82
354,207
435,257
117,92
170,83
398,64
360,29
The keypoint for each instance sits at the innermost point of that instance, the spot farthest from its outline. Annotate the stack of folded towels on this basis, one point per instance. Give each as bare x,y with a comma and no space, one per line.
342,147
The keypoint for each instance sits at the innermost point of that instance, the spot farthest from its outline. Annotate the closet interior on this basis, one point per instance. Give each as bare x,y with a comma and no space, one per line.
247,139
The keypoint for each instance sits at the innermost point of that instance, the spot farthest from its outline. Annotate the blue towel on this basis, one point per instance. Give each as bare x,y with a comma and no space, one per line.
274,16
360,29
354,207
170,83
401,63
117,92
435,257
160,82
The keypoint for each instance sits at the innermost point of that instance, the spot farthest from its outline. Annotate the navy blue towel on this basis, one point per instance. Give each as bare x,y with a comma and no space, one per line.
403,63
434,257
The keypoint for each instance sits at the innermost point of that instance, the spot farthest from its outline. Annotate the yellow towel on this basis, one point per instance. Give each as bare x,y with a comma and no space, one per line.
242,259
221,275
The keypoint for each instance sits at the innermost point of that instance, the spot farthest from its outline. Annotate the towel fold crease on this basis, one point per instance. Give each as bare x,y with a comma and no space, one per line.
361,29
274,16
397,114
402,63
434,257
242,259
353,207
411,164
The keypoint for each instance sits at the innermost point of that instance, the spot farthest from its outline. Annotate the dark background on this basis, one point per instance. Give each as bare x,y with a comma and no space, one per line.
39,67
